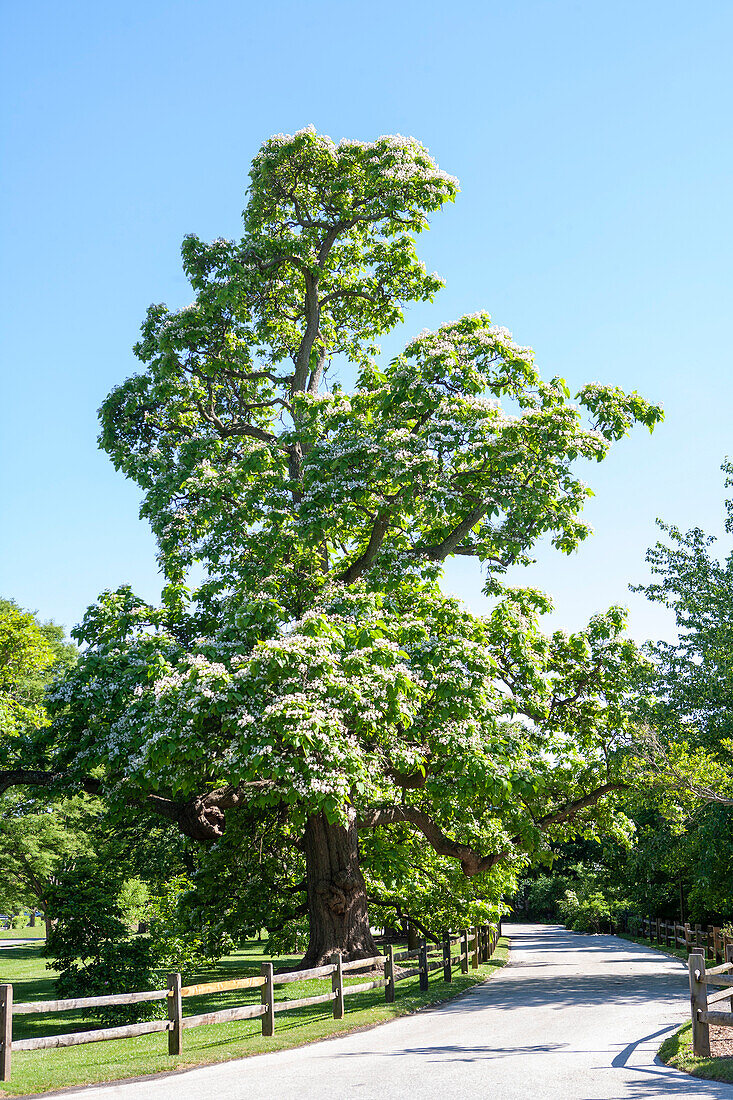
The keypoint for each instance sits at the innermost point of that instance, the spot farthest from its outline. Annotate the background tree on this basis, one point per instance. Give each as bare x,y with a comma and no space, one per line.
38,841
318,673
678,862
35,839
31,654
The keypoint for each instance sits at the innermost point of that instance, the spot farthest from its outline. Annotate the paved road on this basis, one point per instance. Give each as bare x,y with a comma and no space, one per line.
571,1018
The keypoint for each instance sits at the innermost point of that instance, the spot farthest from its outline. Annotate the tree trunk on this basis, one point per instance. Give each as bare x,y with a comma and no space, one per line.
337,903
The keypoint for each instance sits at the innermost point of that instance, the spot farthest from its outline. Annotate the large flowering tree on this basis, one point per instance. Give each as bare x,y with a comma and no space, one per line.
317,673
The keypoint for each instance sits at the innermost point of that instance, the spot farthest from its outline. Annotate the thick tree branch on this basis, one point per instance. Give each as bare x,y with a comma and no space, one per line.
473,862
362,563
442,550
201,817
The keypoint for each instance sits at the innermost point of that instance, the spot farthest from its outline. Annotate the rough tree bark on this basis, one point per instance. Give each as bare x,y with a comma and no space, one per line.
337,901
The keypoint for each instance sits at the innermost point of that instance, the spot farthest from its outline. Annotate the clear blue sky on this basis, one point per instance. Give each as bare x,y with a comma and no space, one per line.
593,145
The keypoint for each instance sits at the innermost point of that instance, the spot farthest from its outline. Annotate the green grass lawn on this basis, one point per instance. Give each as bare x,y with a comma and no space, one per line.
25,933
676,1051
45,1070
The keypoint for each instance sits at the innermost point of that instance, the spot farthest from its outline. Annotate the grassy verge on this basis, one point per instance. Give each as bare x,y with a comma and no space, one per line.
46,1070
676,1051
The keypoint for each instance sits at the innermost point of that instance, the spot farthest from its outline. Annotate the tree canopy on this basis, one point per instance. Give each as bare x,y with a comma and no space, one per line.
317,677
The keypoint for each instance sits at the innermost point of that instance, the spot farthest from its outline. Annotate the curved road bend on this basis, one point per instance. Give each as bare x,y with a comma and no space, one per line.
571,1018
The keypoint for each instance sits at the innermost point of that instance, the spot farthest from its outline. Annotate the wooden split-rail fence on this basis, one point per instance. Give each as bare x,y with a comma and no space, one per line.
708,940
474,946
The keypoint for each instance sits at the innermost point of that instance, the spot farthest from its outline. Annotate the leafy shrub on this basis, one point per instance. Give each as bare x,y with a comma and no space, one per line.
589,912
95,952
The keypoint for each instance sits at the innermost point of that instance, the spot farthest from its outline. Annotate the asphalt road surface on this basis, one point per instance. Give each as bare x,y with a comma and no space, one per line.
571,1018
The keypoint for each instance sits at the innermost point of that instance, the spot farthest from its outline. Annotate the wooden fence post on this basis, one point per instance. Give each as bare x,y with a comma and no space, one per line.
464,952
337,987
423,964
474,953
729,959
447,975
698,1005
175,1015
6,1030
267,992
389,975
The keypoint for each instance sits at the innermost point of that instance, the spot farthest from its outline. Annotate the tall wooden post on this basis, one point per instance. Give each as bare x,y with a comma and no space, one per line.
474,953
423,964
389,975
337,986
175,1015
6,1030
447,974
698,1006
267,993
464,952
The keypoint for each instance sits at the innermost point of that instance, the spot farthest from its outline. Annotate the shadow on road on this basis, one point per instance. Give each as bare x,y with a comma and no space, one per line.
453,1053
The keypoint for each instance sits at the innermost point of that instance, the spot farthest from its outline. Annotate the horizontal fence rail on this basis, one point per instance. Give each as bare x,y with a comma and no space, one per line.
474,946
708,939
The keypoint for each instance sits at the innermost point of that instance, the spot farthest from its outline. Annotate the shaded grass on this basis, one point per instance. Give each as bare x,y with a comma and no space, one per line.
45,1070
676,1051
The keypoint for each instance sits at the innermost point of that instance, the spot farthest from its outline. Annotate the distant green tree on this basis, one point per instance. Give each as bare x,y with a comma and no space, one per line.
38,840
36,837
32,653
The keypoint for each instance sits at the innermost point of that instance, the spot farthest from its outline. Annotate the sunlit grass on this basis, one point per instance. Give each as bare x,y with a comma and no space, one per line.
676,1051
